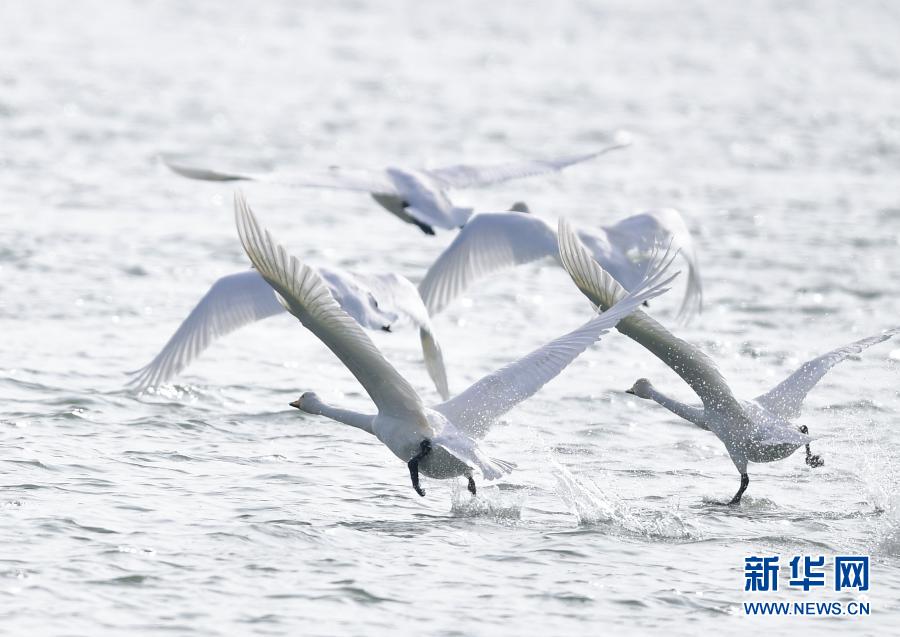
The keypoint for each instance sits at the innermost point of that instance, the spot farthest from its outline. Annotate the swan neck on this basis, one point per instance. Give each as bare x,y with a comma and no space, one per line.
688,412
347,416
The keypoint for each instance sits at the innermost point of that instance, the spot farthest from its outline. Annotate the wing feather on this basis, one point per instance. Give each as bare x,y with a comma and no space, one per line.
232,302
486,244
473,176
308,298
645,230
475,409
786,398
335,178
696,368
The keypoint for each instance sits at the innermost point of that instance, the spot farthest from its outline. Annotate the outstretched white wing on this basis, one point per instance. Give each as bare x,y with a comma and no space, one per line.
232,302
469,176
487,243
475,409
336,178
786,398
696,368
307,297
644,231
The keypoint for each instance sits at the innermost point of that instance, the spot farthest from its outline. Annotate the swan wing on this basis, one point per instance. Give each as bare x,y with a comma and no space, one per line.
306,296
474,176
486,244
475,409
232,302
335,178
696,368
786,398
644,231
395,295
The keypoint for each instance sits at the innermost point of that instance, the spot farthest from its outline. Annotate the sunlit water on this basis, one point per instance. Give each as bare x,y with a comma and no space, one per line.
212,508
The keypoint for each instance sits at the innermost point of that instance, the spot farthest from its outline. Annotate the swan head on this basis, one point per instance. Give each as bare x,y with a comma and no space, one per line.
519,206
308,402
641,388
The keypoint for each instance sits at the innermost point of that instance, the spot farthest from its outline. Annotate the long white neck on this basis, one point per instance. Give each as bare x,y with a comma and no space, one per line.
346,416
688,412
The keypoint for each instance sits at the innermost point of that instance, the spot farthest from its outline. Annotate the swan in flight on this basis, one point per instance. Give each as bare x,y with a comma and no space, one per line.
441,441
376,302
757,430
498,240
416,196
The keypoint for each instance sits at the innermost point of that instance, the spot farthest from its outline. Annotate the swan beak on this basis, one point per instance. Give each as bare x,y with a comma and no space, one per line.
627,391
296,404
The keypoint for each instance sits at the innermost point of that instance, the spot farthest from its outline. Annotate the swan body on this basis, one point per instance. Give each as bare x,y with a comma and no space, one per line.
375,301
418,197
440,441
490,242
752,431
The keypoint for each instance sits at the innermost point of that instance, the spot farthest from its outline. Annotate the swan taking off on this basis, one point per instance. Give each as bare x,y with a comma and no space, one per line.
377,302
417,196
441,442
759,430
498,240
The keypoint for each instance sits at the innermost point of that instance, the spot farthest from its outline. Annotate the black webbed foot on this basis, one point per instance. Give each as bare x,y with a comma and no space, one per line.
471,486
413,464
813,460
424,227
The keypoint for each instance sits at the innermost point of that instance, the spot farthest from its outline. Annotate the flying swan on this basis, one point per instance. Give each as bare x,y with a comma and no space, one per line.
417,196
376,302
440,442
757,430
499,240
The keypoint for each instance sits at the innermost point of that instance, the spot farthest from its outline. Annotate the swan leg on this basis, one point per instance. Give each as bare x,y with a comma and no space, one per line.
813,460
424,450
745,480
471,486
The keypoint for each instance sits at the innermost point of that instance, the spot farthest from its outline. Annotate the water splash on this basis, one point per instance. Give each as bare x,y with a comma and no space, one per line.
594,505
502,506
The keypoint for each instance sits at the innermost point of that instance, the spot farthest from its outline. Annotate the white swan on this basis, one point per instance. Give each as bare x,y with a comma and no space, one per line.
440,441
377,302
494,241
418,196
752,431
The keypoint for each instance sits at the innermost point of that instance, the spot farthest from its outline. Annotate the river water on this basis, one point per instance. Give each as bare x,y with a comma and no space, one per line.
210,507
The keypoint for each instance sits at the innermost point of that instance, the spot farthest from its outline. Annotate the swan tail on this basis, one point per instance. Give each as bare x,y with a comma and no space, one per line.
434,362
493,468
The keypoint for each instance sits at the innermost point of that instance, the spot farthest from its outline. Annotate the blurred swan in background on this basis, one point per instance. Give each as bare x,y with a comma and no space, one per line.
759,430
376,302
441,442
417,196
499,240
